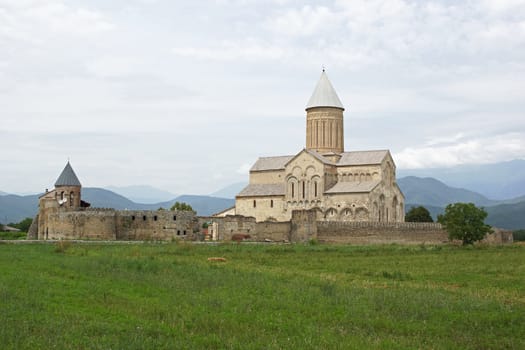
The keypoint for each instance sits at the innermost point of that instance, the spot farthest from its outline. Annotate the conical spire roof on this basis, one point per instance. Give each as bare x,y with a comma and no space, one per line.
324,95
67,177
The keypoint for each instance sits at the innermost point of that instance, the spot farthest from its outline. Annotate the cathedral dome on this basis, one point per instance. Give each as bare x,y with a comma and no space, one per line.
324,95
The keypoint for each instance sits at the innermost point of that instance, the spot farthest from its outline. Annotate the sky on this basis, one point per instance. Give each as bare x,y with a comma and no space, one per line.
186,95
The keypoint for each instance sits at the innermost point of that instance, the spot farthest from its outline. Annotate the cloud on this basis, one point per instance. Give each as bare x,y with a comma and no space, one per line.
233,51
474,151
405,32
438,82
306,21
244,169
40,21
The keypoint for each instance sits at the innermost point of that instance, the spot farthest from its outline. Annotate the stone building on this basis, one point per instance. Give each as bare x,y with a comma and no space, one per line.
339,185
63,214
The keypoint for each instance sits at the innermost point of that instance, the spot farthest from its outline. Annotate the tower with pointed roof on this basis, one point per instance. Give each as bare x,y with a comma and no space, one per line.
338,185
324,119
68,188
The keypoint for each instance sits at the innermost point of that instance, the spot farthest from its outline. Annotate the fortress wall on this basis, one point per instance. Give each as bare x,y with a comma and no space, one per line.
154,225
499,236
381,232
110,224
259,231
303,225
273,231
234,224
79,225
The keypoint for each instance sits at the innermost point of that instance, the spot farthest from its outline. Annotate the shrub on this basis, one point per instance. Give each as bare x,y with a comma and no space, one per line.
313,241
465,221
418,214
62,246
518,235
23,225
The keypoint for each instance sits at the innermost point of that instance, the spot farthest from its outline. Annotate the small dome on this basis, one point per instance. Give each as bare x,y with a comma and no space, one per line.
324,95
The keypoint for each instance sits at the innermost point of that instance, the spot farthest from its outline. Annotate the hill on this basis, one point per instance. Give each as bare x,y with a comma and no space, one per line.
142,193
230,191
508,216
495,181
14,208
429,191
204,205
435,196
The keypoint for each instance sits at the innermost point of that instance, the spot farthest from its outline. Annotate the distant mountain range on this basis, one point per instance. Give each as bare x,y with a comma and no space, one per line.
435,196
428,191
499,181
230,191
14,208
143,193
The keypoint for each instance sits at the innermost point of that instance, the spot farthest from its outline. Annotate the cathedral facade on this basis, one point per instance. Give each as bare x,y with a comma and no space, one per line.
339,185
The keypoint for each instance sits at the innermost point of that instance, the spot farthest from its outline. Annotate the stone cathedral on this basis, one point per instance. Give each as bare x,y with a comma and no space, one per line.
339,185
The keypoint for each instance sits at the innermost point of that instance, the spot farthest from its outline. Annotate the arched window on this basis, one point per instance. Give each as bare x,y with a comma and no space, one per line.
315,189
254,203
304,192
293,190
271,203
394,209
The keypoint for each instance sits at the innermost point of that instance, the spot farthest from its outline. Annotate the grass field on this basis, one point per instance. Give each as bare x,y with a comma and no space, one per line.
263,297
12,235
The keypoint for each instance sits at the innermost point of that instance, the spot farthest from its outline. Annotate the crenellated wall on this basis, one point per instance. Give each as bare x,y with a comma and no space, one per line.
154,225
163,225
305,226
380,232
111,224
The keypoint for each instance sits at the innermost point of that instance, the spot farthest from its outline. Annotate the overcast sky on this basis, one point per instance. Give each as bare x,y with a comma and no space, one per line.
185,95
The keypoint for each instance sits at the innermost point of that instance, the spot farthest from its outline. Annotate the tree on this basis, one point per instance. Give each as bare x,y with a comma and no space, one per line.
23,225
181,206
418,214
465,221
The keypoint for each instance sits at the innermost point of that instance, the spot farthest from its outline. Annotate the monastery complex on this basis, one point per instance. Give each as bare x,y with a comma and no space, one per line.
321,193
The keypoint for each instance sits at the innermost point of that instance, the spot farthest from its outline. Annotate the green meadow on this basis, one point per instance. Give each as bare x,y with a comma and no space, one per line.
170,296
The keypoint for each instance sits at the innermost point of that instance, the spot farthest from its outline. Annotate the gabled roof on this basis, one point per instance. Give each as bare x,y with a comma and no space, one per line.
347,159
253,190
353,187
362,157
314,154
271,163
320,157
67,177
324,95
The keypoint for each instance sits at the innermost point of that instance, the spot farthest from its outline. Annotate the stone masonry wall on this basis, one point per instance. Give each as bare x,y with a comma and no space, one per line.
273,231
110,224
97,225
159,225
234,224
303,225
379,232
